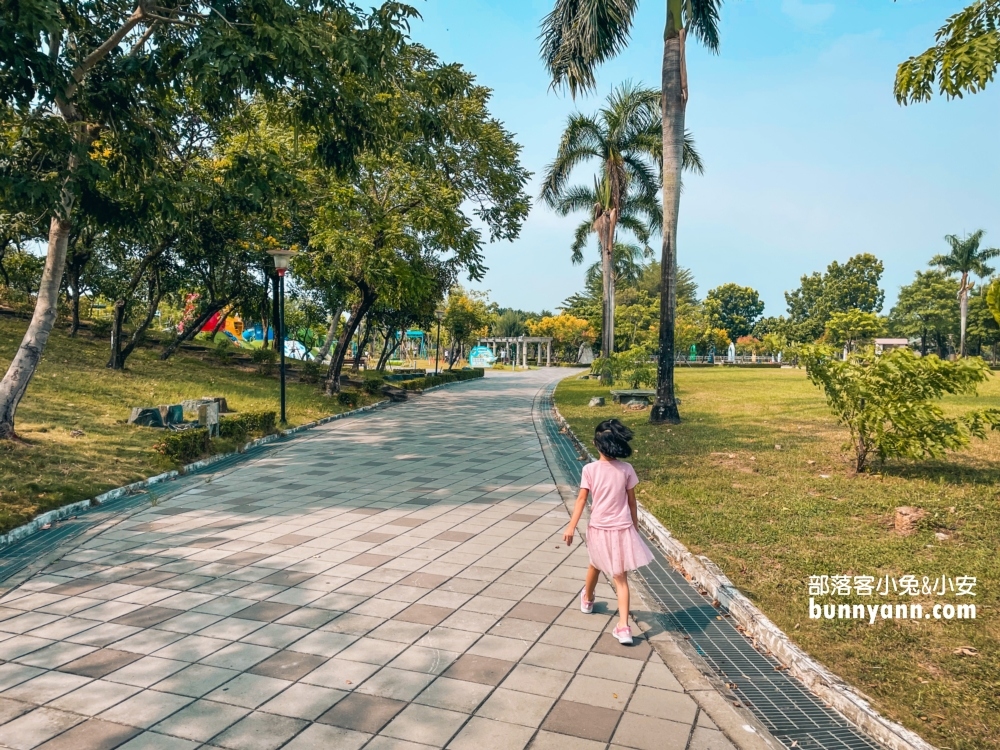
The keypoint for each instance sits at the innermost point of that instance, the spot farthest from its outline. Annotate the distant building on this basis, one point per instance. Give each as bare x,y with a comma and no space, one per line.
882,345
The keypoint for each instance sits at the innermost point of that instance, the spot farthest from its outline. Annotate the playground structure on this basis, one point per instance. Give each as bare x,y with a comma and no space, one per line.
518,349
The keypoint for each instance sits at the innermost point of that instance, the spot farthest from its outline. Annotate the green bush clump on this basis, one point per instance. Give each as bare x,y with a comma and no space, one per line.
373,385
447,376
310,372
246,424
185,446
264,359
349,398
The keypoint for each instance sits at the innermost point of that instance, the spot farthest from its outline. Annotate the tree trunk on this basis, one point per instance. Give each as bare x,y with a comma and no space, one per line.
155,295
391,346
366,336
923,342
219,325
191,330
117,321
674,101
368,297
963,303
29,354
330,334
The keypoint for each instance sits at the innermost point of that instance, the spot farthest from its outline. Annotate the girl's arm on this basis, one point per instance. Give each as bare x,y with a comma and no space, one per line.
633,507
581,503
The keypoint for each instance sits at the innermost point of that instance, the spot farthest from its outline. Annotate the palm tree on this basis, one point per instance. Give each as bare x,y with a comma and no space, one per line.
965,258
578,35
624,137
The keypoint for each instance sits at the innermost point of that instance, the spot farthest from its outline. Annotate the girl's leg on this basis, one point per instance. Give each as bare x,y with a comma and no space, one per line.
591,582
621,587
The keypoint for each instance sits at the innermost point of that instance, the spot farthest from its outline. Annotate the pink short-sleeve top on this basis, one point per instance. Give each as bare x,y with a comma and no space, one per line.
608,483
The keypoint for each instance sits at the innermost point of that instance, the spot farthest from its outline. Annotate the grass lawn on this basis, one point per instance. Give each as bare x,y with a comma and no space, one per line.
72,390
772,516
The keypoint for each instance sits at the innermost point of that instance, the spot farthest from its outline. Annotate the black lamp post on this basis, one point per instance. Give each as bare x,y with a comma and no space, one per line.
439,314
281,260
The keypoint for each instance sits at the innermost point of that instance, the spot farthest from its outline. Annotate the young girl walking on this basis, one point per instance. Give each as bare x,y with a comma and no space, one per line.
613,541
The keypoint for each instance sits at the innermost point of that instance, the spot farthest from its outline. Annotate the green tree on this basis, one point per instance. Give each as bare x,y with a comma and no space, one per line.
887,401
966,259
926,309
847,286
76,72
579,35
852,328
735,308
466,317
624,139
964,59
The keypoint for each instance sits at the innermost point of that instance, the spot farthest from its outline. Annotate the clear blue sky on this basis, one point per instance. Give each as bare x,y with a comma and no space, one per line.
808,157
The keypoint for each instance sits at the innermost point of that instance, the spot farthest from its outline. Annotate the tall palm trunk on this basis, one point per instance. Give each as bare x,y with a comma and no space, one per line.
674,102
963,305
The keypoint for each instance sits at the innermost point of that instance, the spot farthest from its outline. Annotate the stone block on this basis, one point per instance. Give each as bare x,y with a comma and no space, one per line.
171,414
146,417
596,401
208,416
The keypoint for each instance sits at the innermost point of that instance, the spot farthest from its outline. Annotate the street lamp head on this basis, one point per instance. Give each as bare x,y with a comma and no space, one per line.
282,257
439,314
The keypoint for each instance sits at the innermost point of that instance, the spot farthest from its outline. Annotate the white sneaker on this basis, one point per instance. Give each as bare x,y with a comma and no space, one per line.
624,635
585,606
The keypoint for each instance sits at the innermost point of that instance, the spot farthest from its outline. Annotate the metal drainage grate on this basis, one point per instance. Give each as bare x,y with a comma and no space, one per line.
784,706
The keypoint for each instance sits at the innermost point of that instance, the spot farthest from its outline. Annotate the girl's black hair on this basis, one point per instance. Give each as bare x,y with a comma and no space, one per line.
611,438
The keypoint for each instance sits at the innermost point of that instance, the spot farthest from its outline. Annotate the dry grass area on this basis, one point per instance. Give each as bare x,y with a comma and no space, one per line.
754,478
72,390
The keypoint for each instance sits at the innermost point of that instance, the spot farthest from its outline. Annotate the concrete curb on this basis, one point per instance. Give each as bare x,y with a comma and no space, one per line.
768,637
36,524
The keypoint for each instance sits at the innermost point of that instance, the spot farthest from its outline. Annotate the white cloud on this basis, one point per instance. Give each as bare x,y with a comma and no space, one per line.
807,14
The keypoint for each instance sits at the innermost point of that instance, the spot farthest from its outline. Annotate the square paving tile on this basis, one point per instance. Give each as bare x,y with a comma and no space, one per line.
454,695
94,697
608,644
341,674
618,668
146,617
369,560
303,701
93,734
554,657
649,733
662,704
287,665
266,611
324,737
508,649
487,734
596,691
537,680
362,713
32,729
243,558
12,709
146,708
292,539
238,656
454,536
425,614
100,663
398,684
411,522
581,720
196,680
481,669
425,725
260,731
374,537
536,612
45,687
248,690
286,578
201,720
372,651
515,707
146,671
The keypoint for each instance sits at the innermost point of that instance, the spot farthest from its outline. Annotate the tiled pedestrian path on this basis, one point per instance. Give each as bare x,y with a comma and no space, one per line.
392,581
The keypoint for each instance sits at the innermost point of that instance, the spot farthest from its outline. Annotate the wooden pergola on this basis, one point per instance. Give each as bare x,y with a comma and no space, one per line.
521,346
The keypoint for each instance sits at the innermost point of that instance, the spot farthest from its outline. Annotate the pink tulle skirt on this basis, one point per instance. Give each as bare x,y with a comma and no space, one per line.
614,551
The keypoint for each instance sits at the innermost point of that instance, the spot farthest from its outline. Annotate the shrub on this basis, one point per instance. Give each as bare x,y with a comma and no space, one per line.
886,401
373,384
447,376
247,423
310,372
349,398
184,446
632,368
264,359
100,328
223,350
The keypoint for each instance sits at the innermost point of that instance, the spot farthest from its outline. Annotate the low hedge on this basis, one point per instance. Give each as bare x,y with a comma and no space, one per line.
447,376
186,446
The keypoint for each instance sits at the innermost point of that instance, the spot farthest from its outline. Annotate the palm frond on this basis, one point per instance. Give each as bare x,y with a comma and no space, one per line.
580,238
579,35
703,21
576,198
